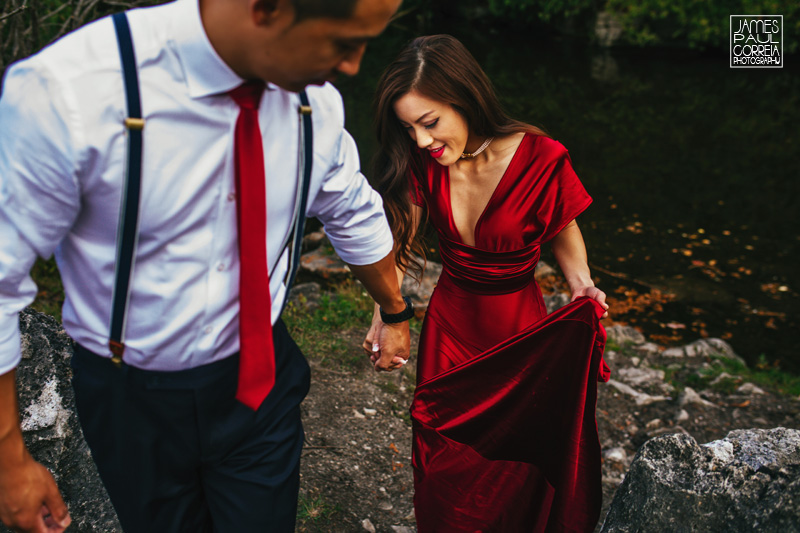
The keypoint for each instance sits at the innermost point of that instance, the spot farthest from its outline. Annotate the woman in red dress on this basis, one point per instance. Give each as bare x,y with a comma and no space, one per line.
505,437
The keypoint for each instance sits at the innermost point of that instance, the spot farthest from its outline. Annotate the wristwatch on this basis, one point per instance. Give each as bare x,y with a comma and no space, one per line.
402,316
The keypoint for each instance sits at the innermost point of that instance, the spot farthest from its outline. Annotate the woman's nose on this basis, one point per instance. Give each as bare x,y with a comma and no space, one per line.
424,139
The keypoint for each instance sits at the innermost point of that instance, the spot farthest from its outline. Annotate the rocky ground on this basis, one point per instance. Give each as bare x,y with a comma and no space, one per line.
356,473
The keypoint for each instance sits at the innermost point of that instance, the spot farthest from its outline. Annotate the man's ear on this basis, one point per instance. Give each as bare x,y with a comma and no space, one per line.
267,12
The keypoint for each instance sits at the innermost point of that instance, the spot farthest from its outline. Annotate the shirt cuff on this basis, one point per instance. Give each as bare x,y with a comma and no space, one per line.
372,245
10,344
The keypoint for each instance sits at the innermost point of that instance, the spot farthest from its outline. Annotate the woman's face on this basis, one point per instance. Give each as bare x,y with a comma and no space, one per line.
435,126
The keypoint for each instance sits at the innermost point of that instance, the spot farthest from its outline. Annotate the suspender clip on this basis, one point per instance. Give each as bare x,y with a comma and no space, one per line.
304,109
117,348
138,123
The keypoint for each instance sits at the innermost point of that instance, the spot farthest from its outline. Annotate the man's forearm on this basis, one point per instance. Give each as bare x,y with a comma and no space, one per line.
380,280
12,447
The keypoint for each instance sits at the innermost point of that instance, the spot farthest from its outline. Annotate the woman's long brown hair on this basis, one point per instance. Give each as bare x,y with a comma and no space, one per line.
441,68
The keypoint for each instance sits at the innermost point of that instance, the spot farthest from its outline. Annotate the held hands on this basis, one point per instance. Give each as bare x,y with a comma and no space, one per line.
388,345
594,293
29,498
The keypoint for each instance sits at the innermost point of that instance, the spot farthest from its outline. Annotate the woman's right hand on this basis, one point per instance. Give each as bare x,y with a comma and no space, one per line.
371,345
381,336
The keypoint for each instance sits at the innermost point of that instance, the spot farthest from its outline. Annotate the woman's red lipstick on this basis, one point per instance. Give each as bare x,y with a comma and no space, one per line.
437,153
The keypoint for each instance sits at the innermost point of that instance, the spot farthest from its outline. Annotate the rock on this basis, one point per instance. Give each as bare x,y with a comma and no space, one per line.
368,526
420,291
624,335
385,505
635,361
543,270
722,377
668,430
749,388
681,416
642,377
370,412
653,424
50,425
323,263
748,481
690,397
648,348
555,300
356,414
314,240
617,455
640,398
307,294
402,529
704,348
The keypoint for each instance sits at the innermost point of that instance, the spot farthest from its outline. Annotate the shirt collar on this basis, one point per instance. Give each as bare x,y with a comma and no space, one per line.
206,73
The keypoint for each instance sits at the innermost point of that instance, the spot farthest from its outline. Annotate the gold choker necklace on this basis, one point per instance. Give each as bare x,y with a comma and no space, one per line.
486,143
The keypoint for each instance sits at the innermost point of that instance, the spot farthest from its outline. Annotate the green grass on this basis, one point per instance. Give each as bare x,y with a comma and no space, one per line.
50,296
764,375
323,334
314,513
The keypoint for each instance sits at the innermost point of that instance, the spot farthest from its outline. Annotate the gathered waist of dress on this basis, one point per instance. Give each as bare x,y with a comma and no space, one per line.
487,272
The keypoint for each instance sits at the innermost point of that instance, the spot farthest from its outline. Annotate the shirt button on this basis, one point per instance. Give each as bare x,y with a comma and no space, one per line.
231,197
221,267
207,330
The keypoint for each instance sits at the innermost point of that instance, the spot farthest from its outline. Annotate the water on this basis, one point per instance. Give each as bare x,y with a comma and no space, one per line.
693,167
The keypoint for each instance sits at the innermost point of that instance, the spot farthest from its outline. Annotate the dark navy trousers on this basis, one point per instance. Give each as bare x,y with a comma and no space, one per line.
177,452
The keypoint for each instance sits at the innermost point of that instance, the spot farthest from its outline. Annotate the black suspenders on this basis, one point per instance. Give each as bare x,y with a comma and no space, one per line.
127,231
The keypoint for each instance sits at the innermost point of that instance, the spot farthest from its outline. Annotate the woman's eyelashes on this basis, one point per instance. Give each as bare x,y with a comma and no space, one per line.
428,126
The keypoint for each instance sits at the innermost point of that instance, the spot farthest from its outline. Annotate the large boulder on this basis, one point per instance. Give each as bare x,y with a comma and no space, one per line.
748,481
50,425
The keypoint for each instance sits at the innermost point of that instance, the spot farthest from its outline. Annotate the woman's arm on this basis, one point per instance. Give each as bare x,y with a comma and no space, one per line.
371,344
570,252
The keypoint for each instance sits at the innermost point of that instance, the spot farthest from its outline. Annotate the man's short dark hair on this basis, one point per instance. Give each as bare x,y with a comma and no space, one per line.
336,9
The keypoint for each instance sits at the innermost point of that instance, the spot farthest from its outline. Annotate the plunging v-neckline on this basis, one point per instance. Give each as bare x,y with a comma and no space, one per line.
449,197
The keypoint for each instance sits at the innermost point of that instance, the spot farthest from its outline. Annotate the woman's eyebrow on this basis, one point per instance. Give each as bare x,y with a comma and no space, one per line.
420,119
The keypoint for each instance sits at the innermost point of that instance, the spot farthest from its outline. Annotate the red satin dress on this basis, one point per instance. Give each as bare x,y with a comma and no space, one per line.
505,436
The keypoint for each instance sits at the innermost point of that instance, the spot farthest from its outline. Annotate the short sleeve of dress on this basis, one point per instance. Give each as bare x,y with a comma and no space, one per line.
563,196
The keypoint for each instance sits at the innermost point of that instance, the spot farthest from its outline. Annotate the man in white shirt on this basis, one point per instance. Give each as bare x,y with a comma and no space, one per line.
174,448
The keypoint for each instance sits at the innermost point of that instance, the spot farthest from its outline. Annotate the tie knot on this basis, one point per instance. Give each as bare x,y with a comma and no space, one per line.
248,94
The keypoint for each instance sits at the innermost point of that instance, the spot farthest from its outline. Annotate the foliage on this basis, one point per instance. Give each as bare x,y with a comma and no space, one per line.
698,24
321,333
50,296
734,374
313,514
28,25
545,10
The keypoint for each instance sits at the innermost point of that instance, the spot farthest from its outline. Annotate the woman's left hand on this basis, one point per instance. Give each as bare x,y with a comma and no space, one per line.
594,293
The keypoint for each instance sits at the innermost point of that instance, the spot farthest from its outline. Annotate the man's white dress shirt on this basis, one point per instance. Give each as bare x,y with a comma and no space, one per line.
62,162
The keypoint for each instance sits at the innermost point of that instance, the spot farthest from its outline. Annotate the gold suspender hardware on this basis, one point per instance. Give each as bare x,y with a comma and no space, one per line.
116,350
304,109
136,123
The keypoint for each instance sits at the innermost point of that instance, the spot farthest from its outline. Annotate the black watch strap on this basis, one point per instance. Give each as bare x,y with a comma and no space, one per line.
402,316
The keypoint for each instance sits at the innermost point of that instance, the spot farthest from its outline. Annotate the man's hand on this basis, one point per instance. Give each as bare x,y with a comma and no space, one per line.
394,347
29,498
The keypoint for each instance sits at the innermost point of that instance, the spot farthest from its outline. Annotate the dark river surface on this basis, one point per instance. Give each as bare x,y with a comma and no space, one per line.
694,170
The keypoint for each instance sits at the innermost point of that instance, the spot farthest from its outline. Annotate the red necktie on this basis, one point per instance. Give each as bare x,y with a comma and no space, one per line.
257,351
